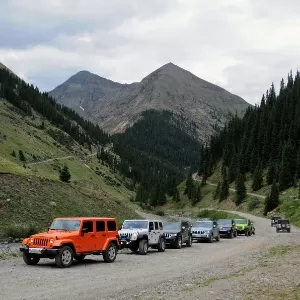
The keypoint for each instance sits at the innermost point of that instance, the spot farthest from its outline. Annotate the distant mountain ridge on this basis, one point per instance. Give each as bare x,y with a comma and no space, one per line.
115,106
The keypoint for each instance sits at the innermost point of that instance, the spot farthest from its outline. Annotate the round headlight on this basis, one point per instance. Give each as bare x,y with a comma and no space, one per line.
51,241
134,236
31,240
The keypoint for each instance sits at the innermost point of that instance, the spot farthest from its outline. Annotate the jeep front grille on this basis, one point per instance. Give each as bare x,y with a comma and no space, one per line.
128,234
40,242
168,235
198,231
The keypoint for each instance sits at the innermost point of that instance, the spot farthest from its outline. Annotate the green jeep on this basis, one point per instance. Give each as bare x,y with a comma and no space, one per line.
244,226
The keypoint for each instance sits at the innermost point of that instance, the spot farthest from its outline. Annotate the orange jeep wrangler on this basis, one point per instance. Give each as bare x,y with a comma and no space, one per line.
69,238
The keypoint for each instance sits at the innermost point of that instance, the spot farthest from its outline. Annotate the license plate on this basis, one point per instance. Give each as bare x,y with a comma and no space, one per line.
35,250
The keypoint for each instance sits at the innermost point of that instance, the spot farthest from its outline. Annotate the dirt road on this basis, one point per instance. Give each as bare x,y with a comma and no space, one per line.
174,274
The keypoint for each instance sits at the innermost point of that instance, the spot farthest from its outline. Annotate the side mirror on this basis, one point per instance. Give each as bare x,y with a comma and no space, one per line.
84,230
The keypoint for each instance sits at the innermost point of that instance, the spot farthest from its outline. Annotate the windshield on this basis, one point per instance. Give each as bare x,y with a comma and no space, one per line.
224,222
172,226
241,221
284,222
206,224
135,224
65,225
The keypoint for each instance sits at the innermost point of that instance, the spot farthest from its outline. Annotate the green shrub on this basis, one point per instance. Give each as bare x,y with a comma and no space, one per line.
254,203
160,212
18,231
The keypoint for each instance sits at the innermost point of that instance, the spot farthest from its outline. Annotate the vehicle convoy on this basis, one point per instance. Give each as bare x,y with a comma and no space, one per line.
206,230
283,225
139,235
69,238
274,220
244,226
177,233
227,228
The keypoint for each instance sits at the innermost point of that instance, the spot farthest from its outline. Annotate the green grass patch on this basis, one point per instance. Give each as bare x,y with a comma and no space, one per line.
216,214
280,250
6,254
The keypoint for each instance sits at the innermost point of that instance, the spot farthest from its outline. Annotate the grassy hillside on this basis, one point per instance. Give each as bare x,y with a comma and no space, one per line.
254,202
30,191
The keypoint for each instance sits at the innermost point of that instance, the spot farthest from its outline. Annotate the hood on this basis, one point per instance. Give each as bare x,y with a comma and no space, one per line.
122,231
201,228
171,231
56,233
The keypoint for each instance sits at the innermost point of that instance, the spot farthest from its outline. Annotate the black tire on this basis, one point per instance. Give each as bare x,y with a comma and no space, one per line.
80,257
161,247
189,242
30,260
289,230
277,230
64,257
178,242
110,254
143,247
231,234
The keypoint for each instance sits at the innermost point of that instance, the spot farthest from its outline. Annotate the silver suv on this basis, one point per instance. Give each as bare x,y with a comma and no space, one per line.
207,230
139,235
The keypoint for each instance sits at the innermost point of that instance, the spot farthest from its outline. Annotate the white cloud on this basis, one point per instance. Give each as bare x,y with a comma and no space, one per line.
242,45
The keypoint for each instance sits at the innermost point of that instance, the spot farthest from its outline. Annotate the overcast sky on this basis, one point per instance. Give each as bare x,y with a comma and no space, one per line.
241,45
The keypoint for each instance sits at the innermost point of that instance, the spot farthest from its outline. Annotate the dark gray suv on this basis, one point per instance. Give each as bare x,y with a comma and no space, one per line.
177,233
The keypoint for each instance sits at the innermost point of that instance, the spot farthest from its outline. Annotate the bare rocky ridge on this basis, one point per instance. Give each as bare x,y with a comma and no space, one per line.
116,106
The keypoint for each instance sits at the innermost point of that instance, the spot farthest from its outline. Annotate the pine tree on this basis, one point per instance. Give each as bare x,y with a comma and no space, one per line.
64,174
271,175
272,200
216,194
224,189
257,178
240,189
21,156
287,167
176,196
196,194
189,186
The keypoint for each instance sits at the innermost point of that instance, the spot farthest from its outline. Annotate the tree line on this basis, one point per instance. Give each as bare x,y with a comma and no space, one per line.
265,142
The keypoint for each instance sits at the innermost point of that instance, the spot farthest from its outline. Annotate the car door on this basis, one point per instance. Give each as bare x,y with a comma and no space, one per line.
88,238
151,235
101,232
156,231
184,231
215,228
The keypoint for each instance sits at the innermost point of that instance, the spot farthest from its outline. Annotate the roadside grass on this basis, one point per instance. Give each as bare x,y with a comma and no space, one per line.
281,250
6,254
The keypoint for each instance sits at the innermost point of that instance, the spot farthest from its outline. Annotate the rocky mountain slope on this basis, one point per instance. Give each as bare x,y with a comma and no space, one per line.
115,106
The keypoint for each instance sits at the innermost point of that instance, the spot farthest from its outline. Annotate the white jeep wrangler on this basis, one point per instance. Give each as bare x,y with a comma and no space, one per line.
139,235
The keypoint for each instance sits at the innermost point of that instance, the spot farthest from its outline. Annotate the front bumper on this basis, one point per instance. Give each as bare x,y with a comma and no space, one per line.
41,252
199,237
128,244
170,240
225,232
